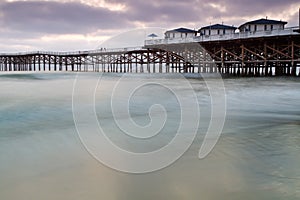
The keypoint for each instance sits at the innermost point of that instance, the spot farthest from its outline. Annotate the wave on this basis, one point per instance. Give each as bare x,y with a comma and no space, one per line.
21,76
36,76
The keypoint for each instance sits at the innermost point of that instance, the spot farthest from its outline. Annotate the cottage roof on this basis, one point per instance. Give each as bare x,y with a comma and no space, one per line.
182,30
218,26
264,22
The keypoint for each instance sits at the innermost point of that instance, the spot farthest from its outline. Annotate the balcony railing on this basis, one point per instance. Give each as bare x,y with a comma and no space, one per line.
242,35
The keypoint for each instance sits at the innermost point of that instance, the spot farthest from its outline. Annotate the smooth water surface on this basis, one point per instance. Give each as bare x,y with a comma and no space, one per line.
42,157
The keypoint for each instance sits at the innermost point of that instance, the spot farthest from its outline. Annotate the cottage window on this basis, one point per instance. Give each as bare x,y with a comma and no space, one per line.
266,27
255,27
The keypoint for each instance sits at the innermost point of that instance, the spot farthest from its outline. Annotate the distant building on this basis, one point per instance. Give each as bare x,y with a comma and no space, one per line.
180,33
217,29
262,25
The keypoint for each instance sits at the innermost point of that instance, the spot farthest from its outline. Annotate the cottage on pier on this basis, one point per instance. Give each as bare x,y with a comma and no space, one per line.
217,29
262,25
180,33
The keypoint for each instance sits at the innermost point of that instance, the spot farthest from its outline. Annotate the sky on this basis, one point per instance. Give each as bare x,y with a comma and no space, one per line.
71,25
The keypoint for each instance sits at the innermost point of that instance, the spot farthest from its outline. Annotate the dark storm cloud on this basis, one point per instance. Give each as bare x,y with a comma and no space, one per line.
55,17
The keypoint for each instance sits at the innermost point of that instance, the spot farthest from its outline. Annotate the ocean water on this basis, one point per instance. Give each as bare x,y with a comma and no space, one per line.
42,156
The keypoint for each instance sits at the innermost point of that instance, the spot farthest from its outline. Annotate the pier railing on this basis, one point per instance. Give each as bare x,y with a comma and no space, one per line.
75,53
242,35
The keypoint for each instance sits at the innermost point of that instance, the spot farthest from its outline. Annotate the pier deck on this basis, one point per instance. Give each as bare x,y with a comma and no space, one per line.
252,56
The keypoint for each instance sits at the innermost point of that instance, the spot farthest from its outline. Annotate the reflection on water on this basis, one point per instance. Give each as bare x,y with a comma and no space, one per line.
257,156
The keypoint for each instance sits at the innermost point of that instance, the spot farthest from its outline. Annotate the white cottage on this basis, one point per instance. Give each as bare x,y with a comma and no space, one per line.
262,25
180,33
217,29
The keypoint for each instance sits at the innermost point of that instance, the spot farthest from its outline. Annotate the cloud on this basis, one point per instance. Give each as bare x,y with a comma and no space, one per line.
25,24
55,17
202,12
68,17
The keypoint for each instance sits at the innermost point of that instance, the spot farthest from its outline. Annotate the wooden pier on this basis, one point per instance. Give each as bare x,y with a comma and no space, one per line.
263,56
259,56
121,61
